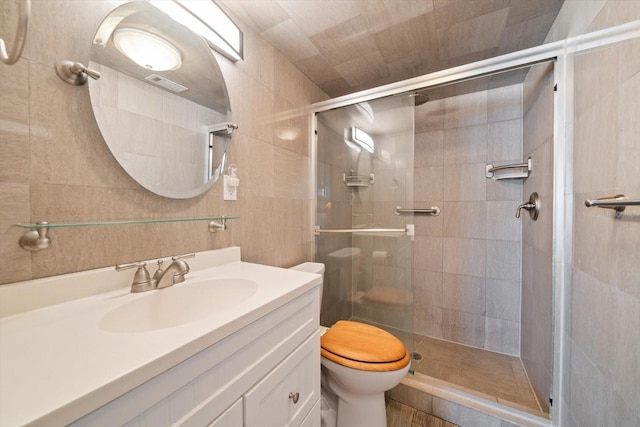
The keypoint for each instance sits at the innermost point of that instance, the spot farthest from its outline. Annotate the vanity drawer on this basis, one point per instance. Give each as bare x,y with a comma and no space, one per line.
271,402
232,417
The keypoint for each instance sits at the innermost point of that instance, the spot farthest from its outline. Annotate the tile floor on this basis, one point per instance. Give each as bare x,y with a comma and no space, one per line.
495,376
399,415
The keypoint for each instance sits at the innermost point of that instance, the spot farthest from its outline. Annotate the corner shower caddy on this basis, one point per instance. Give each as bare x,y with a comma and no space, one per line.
490,169
37,239
355,180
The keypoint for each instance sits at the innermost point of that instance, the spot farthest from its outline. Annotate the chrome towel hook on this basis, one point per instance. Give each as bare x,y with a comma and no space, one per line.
21,35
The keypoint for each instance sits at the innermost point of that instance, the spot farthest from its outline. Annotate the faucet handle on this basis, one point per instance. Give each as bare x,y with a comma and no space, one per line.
141,279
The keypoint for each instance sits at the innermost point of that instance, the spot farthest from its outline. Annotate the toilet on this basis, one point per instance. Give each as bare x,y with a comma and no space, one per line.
359,363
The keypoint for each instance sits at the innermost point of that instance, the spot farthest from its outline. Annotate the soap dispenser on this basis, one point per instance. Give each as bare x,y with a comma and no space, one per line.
231,183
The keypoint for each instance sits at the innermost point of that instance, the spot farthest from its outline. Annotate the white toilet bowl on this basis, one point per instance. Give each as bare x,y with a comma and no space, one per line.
360,394
359,363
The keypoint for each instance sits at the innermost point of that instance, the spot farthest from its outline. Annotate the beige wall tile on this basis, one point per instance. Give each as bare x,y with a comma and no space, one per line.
504,142
465,145
465,182
463,293
75,177
503,300
504,103
503,259
465,256
464,219
502,336
465,110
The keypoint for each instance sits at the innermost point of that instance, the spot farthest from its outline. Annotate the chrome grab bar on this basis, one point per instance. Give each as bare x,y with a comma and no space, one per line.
21,35
433,210
318,230
618,202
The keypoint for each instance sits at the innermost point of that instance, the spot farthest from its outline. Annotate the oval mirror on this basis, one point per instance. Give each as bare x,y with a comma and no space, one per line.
161,103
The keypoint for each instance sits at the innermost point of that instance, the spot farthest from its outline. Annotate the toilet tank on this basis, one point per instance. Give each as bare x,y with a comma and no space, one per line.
312,267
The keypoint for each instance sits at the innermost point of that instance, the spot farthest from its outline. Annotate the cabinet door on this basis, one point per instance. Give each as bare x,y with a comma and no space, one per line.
232,417
313,419
288,393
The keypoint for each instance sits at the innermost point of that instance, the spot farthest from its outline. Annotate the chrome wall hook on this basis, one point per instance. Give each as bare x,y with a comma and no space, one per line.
533,206
36,240
74,73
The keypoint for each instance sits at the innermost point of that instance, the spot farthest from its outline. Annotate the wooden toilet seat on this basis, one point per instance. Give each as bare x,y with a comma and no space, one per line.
363,347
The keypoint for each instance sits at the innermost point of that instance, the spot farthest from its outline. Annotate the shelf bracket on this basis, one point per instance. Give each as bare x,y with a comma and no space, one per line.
36,240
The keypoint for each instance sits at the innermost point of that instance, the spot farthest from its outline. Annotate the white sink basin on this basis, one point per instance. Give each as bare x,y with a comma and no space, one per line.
177,305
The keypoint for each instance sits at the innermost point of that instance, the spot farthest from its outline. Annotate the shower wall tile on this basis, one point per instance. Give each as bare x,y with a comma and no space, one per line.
504,142
430,116
502,336
503,299
465,110
463,293
464,219
428,149
464,256
502,223
503,259
427,287
428,183
465,182
593,319
467,328
504,103
428,253
427,320
504,190
465,145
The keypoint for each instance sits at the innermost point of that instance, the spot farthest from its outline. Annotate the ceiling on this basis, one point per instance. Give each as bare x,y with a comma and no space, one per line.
345,46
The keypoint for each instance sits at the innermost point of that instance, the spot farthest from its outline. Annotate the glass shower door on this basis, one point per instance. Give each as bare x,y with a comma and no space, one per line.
364,172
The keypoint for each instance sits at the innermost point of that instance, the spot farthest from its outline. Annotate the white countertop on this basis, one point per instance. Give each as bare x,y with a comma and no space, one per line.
57,365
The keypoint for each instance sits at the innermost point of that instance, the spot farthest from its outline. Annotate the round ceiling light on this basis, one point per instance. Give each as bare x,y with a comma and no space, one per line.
147,50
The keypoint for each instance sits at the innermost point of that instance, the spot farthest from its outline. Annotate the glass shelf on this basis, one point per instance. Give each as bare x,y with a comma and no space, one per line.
36,239
119,222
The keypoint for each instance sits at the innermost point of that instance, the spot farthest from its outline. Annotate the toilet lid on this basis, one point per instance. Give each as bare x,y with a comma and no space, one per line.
359,342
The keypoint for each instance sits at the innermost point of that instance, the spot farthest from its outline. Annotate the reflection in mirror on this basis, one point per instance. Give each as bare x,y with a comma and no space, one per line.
161,104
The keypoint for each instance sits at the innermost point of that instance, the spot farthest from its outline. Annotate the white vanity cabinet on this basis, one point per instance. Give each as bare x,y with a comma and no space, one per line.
246,379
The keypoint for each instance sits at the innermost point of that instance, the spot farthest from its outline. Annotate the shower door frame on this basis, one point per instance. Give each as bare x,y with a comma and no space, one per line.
561,52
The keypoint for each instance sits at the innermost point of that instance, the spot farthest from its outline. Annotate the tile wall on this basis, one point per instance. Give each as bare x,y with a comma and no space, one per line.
55,166
467,260
601,362
604,377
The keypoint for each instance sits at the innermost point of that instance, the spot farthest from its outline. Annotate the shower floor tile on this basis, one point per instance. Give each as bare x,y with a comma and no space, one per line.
492,375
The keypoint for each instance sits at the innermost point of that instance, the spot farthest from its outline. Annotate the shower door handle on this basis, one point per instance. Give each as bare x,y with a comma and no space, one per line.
317,230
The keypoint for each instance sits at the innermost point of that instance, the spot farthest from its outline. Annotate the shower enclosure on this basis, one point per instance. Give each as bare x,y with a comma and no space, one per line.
464,281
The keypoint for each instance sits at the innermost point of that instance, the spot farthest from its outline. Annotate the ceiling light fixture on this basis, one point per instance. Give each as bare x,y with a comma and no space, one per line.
207,19
147,50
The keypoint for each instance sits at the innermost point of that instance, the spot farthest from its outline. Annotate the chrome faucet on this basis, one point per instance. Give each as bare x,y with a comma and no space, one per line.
143,282
174,273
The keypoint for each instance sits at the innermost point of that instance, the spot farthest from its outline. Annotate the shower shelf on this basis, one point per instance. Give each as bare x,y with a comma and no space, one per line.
36,238
354,180
490,169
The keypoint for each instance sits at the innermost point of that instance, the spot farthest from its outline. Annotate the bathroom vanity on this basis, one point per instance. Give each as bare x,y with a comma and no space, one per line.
251,360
